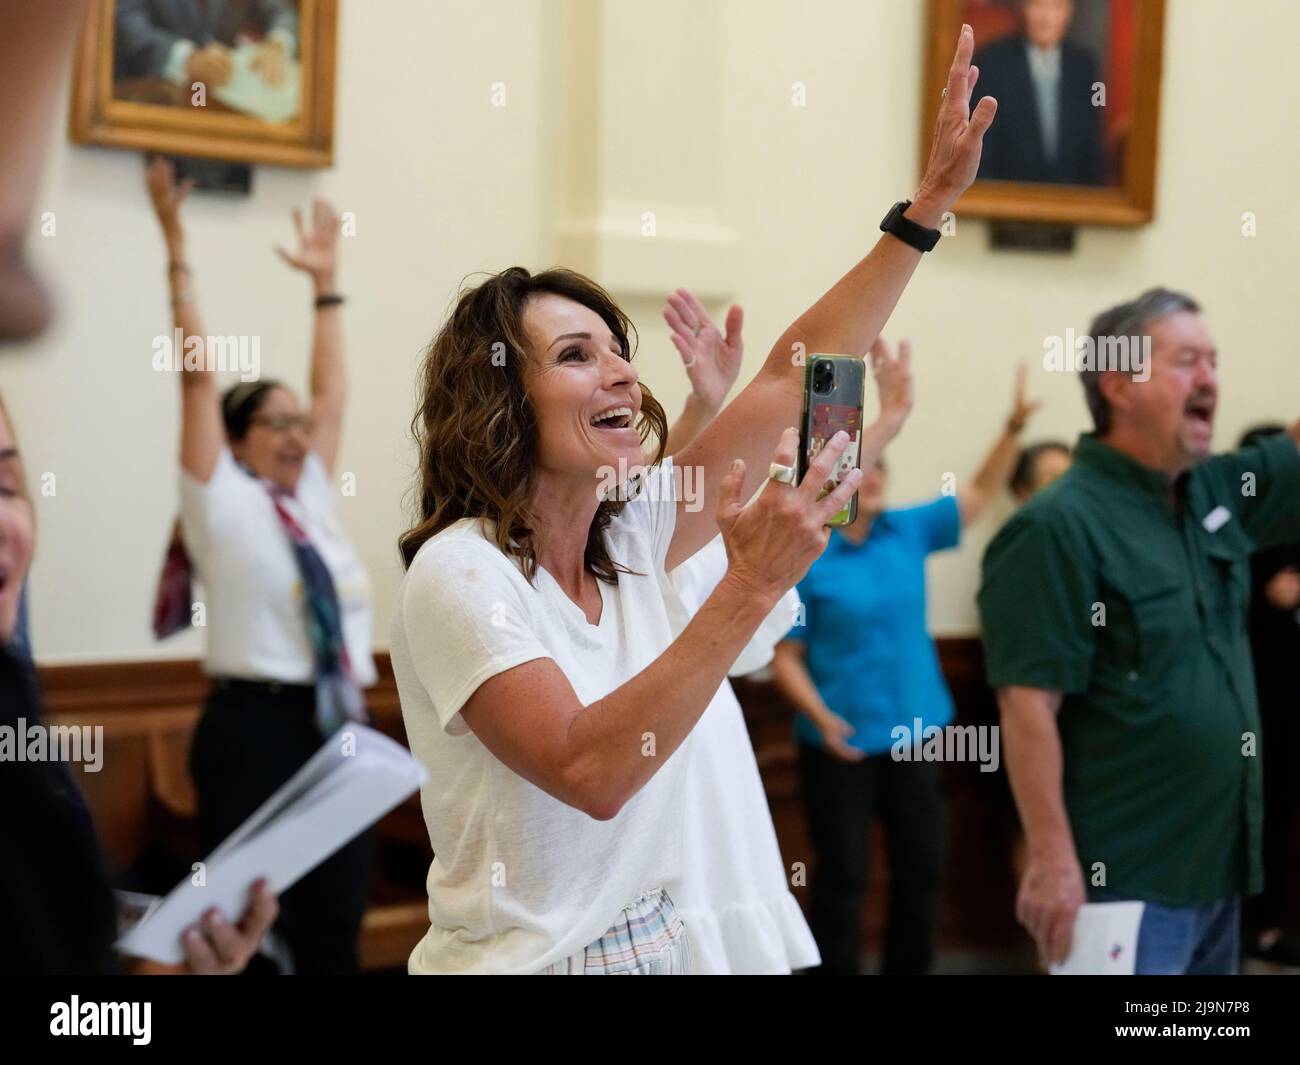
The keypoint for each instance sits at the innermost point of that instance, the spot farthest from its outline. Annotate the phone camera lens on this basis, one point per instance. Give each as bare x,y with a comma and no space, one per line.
823,378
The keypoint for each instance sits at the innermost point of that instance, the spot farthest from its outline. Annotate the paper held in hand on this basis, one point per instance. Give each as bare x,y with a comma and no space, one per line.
356,777
1105,940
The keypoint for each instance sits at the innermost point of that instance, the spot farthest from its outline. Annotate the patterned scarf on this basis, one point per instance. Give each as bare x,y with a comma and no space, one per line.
338,699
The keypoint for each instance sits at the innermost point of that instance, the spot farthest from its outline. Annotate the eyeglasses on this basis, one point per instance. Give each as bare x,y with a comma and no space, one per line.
283,423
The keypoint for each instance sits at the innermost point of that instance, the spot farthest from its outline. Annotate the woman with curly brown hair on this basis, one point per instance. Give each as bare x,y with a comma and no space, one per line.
541,683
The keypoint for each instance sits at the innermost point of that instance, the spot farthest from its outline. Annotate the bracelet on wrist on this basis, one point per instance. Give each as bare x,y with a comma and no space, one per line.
328,299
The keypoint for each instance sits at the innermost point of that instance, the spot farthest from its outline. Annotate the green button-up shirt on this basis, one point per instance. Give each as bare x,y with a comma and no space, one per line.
1132,600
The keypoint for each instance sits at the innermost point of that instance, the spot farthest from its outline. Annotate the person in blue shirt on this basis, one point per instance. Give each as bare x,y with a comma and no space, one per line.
861,664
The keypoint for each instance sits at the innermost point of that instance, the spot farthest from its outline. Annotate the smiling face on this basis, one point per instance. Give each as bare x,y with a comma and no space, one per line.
1172,414
277,440
16,530
582,388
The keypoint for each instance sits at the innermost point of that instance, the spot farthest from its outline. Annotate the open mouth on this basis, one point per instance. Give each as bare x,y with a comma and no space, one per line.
613,418
1200,411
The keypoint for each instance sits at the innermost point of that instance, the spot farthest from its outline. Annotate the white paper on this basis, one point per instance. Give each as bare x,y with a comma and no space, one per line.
1105,940
356,777
249,92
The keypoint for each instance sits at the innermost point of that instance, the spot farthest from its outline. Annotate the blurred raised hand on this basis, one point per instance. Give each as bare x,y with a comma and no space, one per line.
317,253
710,356
166,196
895,384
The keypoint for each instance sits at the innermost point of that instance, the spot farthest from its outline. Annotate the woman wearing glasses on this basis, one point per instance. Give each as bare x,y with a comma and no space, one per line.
286,604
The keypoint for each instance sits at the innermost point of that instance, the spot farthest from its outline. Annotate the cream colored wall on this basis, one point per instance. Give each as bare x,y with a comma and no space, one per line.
614,109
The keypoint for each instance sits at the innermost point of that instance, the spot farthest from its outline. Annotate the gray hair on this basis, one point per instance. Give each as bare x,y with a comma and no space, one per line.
1126,320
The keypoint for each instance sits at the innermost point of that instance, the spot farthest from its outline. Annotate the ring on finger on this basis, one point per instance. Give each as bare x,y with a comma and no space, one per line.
778,471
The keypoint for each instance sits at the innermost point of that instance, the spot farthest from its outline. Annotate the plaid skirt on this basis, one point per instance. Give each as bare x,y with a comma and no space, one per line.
648,939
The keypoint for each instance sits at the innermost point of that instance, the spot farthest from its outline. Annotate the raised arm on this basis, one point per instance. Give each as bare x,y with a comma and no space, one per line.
202,433
1052,889
317,257
711,359
844,321
991,479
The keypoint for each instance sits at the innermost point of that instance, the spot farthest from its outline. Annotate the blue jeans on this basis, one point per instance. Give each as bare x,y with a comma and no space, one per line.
1187,940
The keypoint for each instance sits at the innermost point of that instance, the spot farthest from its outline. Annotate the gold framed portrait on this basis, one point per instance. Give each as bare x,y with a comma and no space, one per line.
242,80
1078,90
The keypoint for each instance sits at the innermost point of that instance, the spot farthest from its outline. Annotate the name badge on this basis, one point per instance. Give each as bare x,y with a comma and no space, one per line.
1217,519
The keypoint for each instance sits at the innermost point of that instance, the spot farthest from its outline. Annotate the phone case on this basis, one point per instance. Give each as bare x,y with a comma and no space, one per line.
825,413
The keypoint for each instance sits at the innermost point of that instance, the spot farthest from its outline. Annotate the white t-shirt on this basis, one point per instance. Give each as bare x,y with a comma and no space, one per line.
734,898
253,594
519,879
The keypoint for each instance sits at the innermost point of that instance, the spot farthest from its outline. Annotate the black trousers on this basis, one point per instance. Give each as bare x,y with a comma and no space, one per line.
841,800
250,740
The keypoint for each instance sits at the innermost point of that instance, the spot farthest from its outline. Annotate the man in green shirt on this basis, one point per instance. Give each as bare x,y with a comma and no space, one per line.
1114,609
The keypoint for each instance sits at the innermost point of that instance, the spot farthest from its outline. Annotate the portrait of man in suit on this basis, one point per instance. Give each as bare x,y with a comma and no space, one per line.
244,54
1045,79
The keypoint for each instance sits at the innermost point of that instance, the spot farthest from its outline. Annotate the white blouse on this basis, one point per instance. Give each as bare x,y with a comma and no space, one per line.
519,879
253,603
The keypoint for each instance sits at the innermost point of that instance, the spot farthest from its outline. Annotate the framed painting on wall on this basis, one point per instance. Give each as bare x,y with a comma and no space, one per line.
243,80
1078,89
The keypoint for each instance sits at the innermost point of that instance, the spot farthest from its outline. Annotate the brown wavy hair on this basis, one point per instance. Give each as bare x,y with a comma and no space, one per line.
23,492
476,428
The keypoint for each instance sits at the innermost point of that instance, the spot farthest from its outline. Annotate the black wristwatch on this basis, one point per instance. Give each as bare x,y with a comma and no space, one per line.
906,230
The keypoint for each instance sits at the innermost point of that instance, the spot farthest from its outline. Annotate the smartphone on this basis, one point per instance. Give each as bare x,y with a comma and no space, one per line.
833,389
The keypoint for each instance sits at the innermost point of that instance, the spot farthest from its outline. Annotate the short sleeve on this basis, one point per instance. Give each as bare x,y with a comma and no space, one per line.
1261,484
1035,604
465,620
314,486
206,506
653,509
937,525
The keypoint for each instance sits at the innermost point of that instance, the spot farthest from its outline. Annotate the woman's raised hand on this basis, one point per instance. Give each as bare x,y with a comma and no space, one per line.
1022,407
165,195
711,359
772,541
958,135
317,253
894,382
